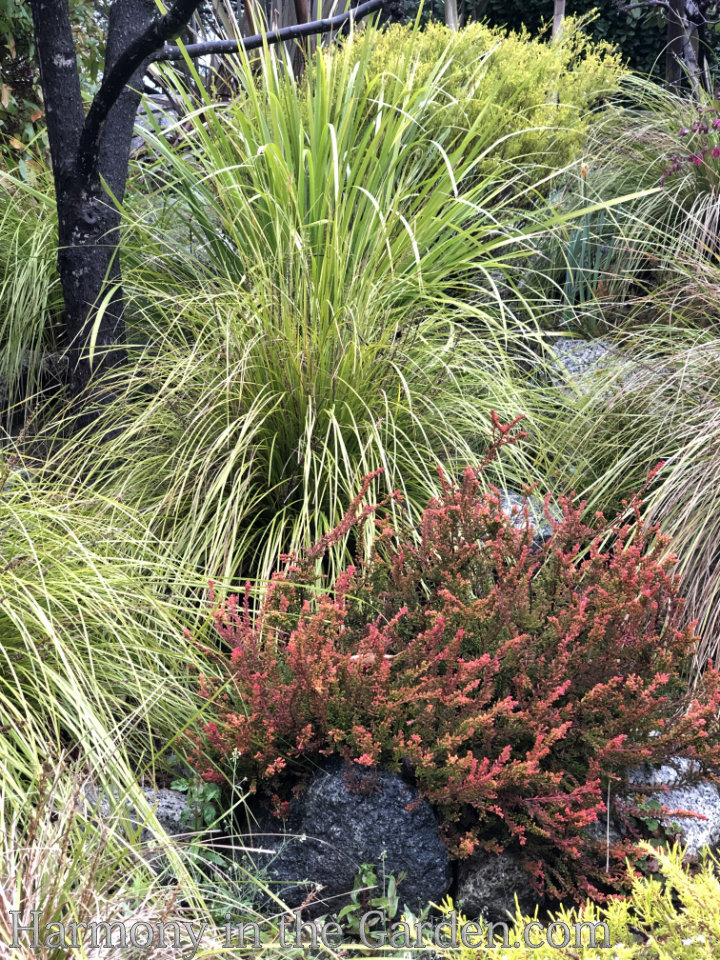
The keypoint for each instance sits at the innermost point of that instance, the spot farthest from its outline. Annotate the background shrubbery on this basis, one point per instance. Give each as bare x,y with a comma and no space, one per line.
526,101
639,35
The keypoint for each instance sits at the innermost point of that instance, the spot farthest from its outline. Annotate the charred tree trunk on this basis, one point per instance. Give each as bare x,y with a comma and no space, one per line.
90,158
83,260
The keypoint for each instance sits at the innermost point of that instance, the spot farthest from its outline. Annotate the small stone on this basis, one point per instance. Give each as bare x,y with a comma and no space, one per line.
512,505
702,798
578,359
16,476
488,884
167,805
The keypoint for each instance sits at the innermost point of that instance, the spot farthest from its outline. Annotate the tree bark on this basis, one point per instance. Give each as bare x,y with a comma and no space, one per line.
65,119
558,17
674,45
90,162
451,15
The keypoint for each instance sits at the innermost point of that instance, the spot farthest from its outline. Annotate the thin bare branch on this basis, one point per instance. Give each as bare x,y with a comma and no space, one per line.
293,32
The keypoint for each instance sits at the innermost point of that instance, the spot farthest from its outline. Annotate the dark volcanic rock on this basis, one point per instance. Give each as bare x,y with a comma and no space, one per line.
348,816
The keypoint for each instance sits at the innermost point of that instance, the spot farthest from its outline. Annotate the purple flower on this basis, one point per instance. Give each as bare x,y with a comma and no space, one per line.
716,152
682,132
696,159
716,123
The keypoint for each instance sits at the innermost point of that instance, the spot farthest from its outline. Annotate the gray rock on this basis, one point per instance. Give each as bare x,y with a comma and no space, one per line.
598,831
702,798
488,884
349,816
577,359
16,477
512,505
167,805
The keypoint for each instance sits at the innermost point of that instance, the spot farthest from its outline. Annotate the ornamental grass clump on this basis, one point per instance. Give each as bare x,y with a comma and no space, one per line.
316,287
518,681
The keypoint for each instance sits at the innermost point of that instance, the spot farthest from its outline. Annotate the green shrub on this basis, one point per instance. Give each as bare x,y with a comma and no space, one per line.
639,34
528,102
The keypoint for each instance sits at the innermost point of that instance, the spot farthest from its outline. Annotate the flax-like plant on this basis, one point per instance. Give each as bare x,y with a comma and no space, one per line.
666,148
319,283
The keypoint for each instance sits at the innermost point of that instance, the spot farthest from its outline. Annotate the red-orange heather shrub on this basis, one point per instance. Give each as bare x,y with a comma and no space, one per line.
517,681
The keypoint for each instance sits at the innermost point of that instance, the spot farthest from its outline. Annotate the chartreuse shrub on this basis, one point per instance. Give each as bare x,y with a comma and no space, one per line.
319,299
520,681
535,99
673,915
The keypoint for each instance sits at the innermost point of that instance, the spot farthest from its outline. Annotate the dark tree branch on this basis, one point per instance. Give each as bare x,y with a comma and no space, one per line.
136,54
127,22
294,32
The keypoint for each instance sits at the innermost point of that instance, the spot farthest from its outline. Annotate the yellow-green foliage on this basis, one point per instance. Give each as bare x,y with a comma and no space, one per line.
673,917
529,100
